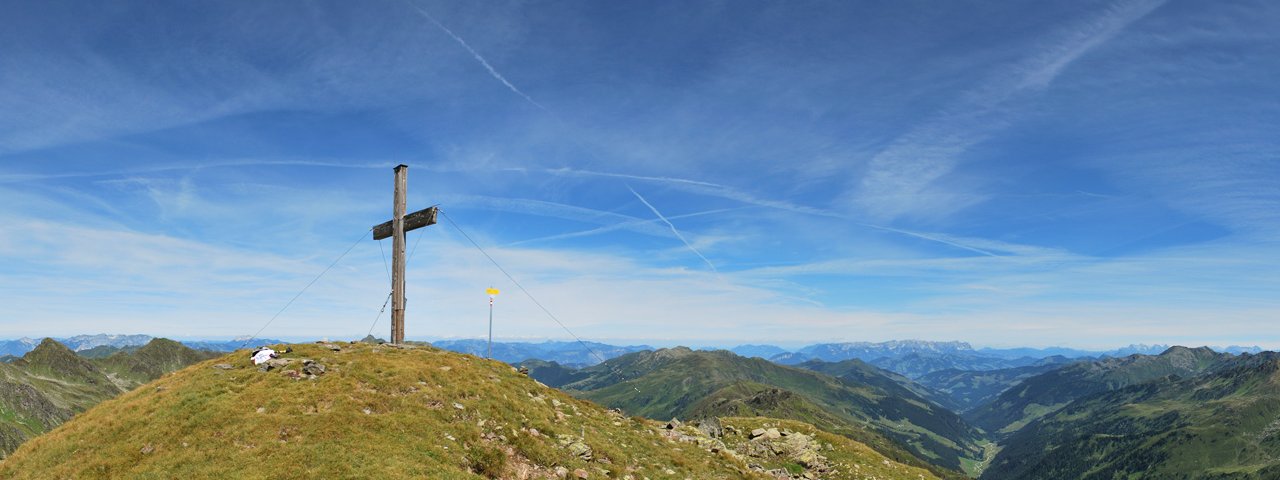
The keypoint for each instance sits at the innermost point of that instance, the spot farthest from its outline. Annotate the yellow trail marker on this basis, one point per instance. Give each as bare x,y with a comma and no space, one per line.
493,292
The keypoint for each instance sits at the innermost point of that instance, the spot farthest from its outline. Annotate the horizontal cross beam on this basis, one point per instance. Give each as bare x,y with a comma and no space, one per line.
415,220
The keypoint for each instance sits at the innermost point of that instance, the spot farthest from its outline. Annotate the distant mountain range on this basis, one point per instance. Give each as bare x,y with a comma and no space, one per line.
917,358
571,354
80,343
912,358
758,351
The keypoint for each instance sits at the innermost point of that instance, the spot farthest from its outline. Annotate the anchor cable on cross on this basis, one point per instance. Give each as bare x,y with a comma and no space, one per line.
396,228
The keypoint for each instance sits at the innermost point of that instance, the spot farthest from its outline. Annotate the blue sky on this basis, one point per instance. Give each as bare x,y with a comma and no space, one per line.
1082,173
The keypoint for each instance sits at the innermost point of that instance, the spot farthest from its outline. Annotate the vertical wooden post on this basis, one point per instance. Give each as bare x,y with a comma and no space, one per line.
397,256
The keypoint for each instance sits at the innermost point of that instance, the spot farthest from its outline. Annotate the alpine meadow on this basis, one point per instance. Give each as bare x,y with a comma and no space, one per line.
688,240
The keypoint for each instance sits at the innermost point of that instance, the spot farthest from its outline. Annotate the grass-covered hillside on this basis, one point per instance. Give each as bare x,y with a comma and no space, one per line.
1221,424
50,383
1043,394
676,383
378,411
969,389
859,372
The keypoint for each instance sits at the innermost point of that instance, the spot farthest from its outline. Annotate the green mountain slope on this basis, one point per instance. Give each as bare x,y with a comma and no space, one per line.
157,357
551,373
857,371
380,411
1043,394
674,383
1221,424
50,384
969,389
748,399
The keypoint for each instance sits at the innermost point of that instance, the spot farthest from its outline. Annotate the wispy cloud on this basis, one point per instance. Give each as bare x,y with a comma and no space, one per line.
729,193
555,210
902,179
673,229
627,225
476,55
185,167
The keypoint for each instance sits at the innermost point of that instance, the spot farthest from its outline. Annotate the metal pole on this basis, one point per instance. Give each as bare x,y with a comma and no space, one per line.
490,328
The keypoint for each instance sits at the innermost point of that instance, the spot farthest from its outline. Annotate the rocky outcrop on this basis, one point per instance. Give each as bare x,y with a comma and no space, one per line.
761,446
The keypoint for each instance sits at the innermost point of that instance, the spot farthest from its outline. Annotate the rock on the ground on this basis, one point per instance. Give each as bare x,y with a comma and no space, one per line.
310,367
711,427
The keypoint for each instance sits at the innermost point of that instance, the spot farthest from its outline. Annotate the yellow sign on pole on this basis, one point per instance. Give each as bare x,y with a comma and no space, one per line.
491,291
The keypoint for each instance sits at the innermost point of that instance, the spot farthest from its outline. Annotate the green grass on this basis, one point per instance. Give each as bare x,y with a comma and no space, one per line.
378,412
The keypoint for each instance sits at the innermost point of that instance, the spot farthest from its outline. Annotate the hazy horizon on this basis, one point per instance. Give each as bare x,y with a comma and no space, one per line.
670,343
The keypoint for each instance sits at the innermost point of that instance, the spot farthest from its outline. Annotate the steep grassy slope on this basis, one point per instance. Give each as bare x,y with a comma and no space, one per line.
1043,394
969,389
380,412
51,383
673,383
1221,424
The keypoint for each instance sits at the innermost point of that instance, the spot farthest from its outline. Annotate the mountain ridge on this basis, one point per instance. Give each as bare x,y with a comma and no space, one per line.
672,382
1220,423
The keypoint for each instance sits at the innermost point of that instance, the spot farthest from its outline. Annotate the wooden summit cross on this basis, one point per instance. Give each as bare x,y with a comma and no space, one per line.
396,228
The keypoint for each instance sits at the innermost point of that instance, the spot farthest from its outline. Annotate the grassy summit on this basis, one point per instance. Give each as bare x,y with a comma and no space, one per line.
383,412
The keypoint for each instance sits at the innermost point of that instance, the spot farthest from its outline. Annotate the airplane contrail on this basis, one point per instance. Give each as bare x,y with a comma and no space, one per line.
629,225
673,229
476,55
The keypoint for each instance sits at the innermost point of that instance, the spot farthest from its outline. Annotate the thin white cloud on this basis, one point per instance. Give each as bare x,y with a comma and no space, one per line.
903,179
169,167
667,180
554,210
476,55
729,193
673,229
613,228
